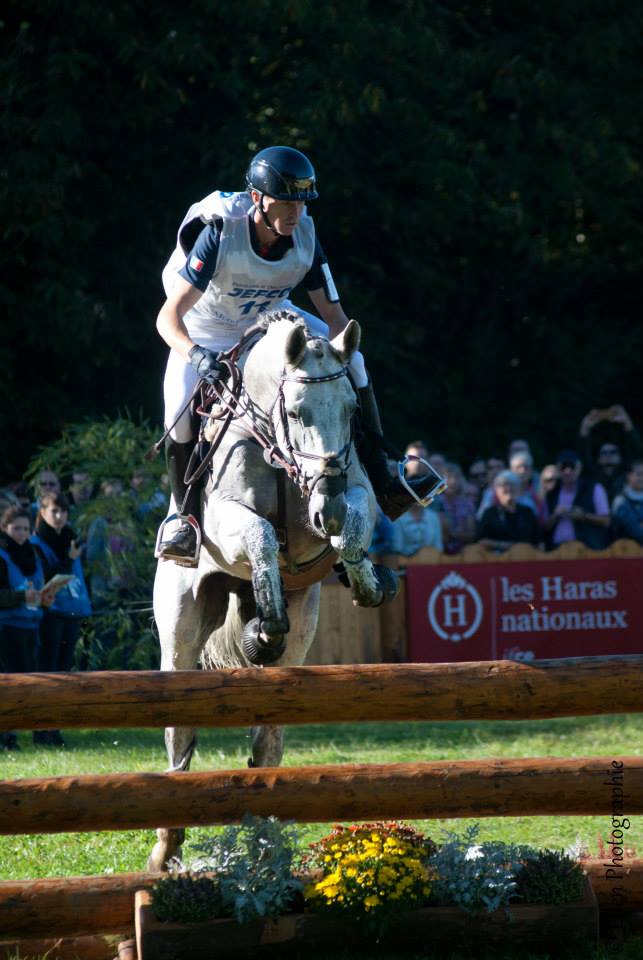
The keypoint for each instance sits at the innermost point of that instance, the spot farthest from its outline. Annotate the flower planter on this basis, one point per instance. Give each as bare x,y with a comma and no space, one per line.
536,925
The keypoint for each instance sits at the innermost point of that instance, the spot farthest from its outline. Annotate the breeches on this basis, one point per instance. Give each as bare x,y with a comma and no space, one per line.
181,379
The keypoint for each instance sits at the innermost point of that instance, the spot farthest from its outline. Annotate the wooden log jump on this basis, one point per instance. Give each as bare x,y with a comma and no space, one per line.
82,906
71,906
493,690
416,791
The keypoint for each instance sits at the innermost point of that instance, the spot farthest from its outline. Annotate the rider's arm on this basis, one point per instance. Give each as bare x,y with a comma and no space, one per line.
170,323
331,313
322,291
191,282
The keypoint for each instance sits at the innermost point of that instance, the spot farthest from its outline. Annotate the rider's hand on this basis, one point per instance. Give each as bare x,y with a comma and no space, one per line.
47,598
206,364
32,597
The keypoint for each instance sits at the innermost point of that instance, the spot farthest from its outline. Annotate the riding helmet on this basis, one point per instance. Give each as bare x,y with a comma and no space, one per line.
283,173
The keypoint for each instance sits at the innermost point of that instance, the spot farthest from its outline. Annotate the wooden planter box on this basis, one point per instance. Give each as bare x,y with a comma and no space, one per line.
534,925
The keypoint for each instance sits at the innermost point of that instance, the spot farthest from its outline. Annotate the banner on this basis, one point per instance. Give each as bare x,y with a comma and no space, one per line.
524,611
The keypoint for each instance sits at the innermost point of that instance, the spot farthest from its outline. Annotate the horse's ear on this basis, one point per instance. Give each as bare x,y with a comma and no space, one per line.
296,344
347,342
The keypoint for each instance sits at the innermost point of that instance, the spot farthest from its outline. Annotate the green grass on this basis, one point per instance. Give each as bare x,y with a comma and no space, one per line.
110,751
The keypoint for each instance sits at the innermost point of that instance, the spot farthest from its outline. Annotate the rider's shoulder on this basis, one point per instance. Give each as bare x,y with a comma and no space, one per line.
212,210
220,205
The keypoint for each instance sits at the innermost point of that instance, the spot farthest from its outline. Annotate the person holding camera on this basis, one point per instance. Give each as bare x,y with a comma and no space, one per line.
61,623
616,442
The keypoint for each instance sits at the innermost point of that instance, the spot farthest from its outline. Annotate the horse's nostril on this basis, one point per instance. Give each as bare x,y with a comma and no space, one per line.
317,521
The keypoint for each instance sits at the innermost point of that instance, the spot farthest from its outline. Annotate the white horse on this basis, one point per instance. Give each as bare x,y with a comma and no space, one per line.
253,600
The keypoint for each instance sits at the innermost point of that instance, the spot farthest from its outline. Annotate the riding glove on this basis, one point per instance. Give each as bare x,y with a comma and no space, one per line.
206,364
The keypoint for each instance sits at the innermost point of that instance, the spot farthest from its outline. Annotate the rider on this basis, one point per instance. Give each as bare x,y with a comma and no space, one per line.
239,254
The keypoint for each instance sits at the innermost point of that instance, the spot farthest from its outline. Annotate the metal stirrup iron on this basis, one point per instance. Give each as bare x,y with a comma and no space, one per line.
439,485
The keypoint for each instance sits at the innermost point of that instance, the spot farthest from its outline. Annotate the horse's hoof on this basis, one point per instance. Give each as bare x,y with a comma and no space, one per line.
256,649
388,582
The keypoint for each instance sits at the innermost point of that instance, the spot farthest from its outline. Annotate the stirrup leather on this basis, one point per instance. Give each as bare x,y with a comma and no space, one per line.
181,561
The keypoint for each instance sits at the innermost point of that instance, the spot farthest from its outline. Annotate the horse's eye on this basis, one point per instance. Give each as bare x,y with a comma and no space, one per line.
293,415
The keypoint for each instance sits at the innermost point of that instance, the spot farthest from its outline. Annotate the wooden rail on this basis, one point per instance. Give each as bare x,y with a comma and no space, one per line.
81,906
493,690
465,788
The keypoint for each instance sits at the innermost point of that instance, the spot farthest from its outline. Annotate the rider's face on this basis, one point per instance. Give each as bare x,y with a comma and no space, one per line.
284,215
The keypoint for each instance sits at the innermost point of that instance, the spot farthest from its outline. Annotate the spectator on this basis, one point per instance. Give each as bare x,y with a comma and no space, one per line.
627,509
477,481
459,514
415,529
506,521
577,508
517,446
145,497
549,477
8,499
382,542
46,482
60,628
81,488
619,446
522,465
108,538
21,491
488,498
23,571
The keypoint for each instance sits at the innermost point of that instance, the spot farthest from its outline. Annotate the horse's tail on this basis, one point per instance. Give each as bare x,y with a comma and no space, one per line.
222,648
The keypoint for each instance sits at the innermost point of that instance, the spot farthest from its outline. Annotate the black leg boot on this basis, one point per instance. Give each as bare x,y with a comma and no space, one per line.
181,546
392,496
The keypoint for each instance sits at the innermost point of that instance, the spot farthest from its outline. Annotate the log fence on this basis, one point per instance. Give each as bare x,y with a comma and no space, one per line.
502,690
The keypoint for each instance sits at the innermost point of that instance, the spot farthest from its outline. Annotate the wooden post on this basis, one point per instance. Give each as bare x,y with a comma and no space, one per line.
417,791
491,690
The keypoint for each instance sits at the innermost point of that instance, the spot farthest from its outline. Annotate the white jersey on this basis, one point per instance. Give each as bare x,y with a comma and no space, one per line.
244,284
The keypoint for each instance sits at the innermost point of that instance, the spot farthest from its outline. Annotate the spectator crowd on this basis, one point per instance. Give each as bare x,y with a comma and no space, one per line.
52,579
592,493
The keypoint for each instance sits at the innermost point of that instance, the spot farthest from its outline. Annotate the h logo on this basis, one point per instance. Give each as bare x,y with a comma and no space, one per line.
455,608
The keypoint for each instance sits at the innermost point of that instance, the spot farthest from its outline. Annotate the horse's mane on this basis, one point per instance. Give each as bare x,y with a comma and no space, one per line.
271,317
289,316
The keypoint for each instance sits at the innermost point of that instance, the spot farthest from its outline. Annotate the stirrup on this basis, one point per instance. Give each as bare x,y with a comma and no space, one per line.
180,561
439,483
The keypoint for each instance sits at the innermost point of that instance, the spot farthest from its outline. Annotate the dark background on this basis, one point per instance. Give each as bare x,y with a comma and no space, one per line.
480,180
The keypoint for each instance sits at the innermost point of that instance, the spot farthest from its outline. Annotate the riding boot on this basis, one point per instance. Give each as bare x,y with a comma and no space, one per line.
182,545
392,496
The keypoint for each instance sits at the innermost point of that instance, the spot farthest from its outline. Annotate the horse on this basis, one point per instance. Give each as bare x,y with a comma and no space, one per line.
285,498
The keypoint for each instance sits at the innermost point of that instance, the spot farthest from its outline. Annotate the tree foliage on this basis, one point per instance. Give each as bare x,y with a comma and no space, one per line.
479,171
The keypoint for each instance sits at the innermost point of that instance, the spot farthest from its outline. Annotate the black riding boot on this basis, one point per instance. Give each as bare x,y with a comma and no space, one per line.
392,496
182,545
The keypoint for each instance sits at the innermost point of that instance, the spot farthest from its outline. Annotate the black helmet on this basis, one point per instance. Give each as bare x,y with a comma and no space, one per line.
283,173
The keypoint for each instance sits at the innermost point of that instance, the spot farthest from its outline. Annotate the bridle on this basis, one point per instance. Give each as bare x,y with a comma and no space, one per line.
335,466
234,405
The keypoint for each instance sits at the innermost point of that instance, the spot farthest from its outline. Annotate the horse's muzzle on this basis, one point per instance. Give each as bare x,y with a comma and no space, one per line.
328,514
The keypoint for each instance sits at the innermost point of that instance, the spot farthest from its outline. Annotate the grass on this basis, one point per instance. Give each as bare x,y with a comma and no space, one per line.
110,751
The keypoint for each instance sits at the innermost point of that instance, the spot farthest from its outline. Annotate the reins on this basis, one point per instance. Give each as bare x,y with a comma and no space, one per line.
223,401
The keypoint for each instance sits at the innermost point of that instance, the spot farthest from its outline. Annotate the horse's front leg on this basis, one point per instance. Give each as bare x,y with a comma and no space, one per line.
303,608
370,584
244,537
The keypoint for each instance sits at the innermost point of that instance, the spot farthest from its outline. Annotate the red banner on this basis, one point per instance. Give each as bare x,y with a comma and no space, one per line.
524,611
